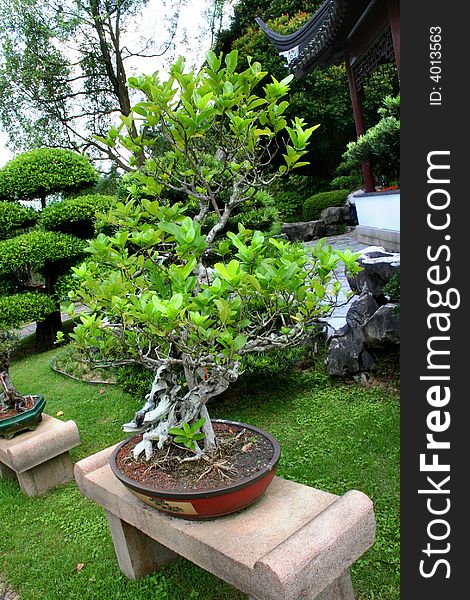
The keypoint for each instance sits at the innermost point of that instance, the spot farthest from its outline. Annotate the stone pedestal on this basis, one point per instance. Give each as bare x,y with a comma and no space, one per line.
40,459
295,543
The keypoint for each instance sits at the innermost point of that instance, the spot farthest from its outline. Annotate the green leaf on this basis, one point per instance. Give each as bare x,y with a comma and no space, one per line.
231,61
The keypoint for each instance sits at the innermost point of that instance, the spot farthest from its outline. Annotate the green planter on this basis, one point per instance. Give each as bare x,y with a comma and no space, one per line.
24,421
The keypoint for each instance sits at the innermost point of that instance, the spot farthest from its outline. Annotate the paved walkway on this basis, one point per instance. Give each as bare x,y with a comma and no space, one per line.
340,242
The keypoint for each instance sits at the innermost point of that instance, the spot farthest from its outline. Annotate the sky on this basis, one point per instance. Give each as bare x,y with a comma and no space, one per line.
191,43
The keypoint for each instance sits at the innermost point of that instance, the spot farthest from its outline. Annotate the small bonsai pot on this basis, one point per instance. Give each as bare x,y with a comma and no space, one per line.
26,420
214,502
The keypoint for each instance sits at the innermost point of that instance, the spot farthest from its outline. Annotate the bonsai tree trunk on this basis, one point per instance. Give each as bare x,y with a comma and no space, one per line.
9,397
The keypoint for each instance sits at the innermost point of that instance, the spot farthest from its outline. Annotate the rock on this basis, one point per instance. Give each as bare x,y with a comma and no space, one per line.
347,354
379,266
338,214
336,229
304,231
383,328
361,309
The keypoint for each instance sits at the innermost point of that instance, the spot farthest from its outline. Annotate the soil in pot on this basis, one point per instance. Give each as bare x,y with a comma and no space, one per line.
232,478
28,403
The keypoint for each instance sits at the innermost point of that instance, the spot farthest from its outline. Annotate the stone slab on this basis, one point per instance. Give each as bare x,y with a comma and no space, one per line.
29,449
40,459
295,542
375,236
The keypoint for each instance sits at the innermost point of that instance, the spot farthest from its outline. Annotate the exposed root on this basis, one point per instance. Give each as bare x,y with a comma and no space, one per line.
219,467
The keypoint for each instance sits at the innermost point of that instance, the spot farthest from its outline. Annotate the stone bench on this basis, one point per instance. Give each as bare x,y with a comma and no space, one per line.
295,543
40,459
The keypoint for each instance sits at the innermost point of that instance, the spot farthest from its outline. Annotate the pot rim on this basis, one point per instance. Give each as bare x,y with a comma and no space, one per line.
219,491
37,408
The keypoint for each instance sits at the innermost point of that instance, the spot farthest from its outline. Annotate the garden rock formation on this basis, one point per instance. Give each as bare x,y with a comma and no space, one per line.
333,221
372,322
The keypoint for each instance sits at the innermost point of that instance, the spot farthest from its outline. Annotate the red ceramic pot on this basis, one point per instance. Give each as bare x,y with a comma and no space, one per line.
212,503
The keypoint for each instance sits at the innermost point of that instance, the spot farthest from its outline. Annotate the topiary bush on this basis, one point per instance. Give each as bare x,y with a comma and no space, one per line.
38,249
28,306
75,215
14,218
314,205
39,173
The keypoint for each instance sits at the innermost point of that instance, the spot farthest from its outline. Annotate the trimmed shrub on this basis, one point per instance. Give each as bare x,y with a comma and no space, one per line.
75,215
28,306
38,173
38,248
314,205
14,217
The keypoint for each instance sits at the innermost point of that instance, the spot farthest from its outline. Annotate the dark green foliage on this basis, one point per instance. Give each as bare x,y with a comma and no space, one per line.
352,182
260,213
135,380
322,96
260,368
28,306
75,215
315,204
290,194
290,206
14,217
38,249
38,173
380,145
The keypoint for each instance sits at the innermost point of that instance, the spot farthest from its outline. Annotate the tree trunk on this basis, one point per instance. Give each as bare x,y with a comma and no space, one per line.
46,331
9,397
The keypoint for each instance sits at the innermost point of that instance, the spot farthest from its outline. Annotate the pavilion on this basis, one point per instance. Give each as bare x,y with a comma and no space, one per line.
361,33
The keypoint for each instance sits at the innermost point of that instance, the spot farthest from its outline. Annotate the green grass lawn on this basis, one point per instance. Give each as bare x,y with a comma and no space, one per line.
334,436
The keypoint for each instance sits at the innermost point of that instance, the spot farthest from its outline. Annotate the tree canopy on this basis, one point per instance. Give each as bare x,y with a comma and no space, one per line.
35,256
63,71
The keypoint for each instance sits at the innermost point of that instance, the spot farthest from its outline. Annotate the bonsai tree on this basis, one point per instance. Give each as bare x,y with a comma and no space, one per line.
189,304
45,171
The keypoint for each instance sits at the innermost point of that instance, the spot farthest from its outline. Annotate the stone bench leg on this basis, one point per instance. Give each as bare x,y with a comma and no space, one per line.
43,477
6,472
137,554
339,589
40,479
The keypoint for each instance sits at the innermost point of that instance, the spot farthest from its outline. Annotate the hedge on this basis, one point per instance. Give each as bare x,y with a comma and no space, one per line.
38,173
314,205
75,215
14,217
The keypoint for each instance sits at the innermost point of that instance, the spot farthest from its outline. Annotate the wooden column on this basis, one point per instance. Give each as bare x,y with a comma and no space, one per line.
369,184
394,19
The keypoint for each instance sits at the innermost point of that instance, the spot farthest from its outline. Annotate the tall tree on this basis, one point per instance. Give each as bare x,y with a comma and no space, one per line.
32,261
63,71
